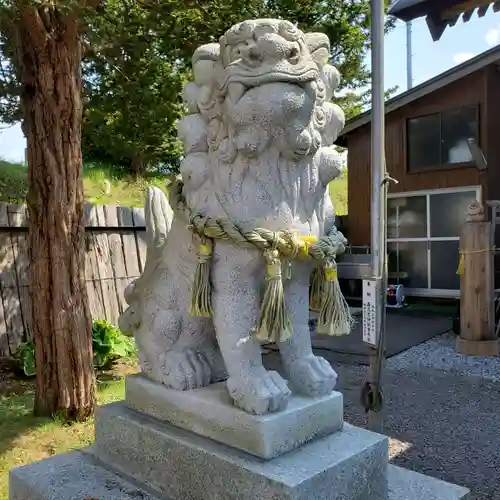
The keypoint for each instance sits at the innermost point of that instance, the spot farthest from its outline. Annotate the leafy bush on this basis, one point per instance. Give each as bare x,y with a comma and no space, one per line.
25,357
108,345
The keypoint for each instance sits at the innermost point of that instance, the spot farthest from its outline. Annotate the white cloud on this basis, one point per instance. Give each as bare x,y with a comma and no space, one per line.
461,57
347,92
492,36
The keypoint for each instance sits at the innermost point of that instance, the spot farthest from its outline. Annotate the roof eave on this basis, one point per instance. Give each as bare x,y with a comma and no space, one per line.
440,15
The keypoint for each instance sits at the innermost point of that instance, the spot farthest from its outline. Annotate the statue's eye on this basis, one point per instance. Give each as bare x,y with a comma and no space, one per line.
236,54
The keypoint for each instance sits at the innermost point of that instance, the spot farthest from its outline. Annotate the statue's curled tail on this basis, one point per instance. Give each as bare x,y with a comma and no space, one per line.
158,218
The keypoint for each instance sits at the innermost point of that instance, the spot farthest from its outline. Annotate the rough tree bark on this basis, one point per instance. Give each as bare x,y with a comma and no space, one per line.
49,57
138,165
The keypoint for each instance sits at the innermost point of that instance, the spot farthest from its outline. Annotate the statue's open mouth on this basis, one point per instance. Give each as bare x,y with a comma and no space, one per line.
280,73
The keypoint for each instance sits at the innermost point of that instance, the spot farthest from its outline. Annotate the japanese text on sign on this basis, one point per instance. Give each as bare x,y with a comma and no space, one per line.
371,314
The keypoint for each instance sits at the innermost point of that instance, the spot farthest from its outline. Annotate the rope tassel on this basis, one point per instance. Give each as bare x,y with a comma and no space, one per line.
334,316
274,323
317,289
201,296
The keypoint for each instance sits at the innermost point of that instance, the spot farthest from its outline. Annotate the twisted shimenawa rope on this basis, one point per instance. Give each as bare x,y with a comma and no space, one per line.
289,245
325,297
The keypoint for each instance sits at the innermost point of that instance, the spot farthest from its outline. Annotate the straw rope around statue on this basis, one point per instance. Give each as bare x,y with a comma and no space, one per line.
276,246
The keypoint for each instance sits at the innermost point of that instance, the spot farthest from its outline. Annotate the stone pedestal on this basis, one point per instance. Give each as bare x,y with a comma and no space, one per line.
350,464
162,444
209,412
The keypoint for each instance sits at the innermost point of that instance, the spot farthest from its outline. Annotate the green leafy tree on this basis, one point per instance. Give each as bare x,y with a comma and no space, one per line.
132,87
137,58
346,22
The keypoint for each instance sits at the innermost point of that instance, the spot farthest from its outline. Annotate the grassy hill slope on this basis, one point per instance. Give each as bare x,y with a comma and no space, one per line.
122,189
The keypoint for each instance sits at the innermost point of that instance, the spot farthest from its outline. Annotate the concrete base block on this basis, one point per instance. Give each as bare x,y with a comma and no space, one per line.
210,412
347,465
409,485
72,476
79,476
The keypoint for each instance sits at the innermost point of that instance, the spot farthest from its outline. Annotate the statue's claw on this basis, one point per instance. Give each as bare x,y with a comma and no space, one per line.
185,369
259,394
312,376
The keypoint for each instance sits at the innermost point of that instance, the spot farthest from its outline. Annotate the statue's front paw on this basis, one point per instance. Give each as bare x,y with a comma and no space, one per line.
312,376
185,369
259,394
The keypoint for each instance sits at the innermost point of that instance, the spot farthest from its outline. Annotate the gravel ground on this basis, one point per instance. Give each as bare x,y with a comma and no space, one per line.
441,413
440,354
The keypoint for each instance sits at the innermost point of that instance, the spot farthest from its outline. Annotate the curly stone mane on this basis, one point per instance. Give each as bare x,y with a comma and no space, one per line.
265,83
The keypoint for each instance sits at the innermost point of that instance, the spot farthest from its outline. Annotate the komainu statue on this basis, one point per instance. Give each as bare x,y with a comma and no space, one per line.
246,244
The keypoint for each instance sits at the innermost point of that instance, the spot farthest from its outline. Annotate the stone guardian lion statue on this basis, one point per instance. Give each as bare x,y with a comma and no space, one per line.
258,138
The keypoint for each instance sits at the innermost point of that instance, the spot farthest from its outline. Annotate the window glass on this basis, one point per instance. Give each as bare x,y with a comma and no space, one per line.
407,263
456,127
441,138
392,218
412,217
449,212
444,263
424,149
407,217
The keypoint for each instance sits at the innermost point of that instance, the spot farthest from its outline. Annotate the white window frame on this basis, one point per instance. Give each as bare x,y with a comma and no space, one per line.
432,292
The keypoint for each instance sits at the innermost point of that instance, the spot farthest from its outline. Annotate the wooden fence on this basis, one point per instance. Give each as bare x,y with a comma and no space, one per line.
115,252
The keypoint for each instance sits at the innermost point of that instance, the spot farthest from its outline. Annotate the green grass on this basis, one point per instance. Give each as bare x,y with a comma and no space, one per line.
13,182
123,190
102,185
338,193
25,438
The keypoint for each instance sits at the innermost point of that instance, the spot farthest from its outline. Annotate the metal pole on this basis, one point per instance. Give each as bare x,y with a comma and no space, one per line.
378,200
409,64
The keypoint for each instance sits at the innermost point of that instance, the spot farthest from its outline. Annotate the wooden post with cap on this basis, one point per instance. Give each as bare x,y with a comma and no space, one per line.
476,270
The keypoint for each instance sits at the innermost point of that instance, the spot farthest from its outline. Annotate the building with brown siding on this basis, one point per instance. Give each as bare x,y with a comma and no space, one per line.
427,129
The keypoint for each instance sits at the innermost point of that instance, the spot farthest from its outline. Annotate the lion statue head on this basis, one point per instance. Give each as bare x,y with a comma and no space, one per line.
259,102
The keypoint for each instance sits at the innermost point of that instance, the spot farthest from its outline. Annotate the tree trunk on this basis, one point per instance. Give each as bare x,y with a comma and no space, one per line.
138,165
49,59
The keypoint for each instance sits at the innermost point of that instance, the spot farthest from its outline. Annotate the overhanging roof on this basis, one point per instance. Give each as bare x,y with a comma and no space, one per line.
477,63
441,13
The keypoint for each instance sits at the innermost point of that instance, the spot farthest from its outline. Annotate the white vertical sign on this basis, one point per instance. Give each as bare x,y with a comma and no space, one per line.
371,313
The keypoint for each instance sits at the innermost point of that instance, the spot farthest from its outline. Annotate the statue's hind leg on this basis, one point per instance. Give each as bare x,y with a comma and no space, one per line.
195,360
309,374
237,279
176,349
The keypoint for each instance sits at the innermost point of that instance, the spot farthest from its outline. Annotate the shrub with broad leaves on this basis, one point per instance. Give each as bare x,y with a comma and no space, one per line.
108,346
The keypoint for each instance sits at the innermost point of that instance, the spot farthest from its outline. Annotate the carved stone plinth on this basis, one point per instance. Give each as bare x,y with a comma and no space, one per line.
210,412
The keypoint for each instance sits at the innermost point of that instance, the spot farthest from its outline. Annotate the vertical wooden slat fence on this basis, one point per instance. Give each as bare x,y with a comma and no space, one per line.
115,252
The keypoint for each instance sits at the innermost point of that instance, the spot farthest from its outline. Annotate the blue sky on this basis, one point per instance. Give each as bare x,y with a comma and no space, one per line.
458,44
